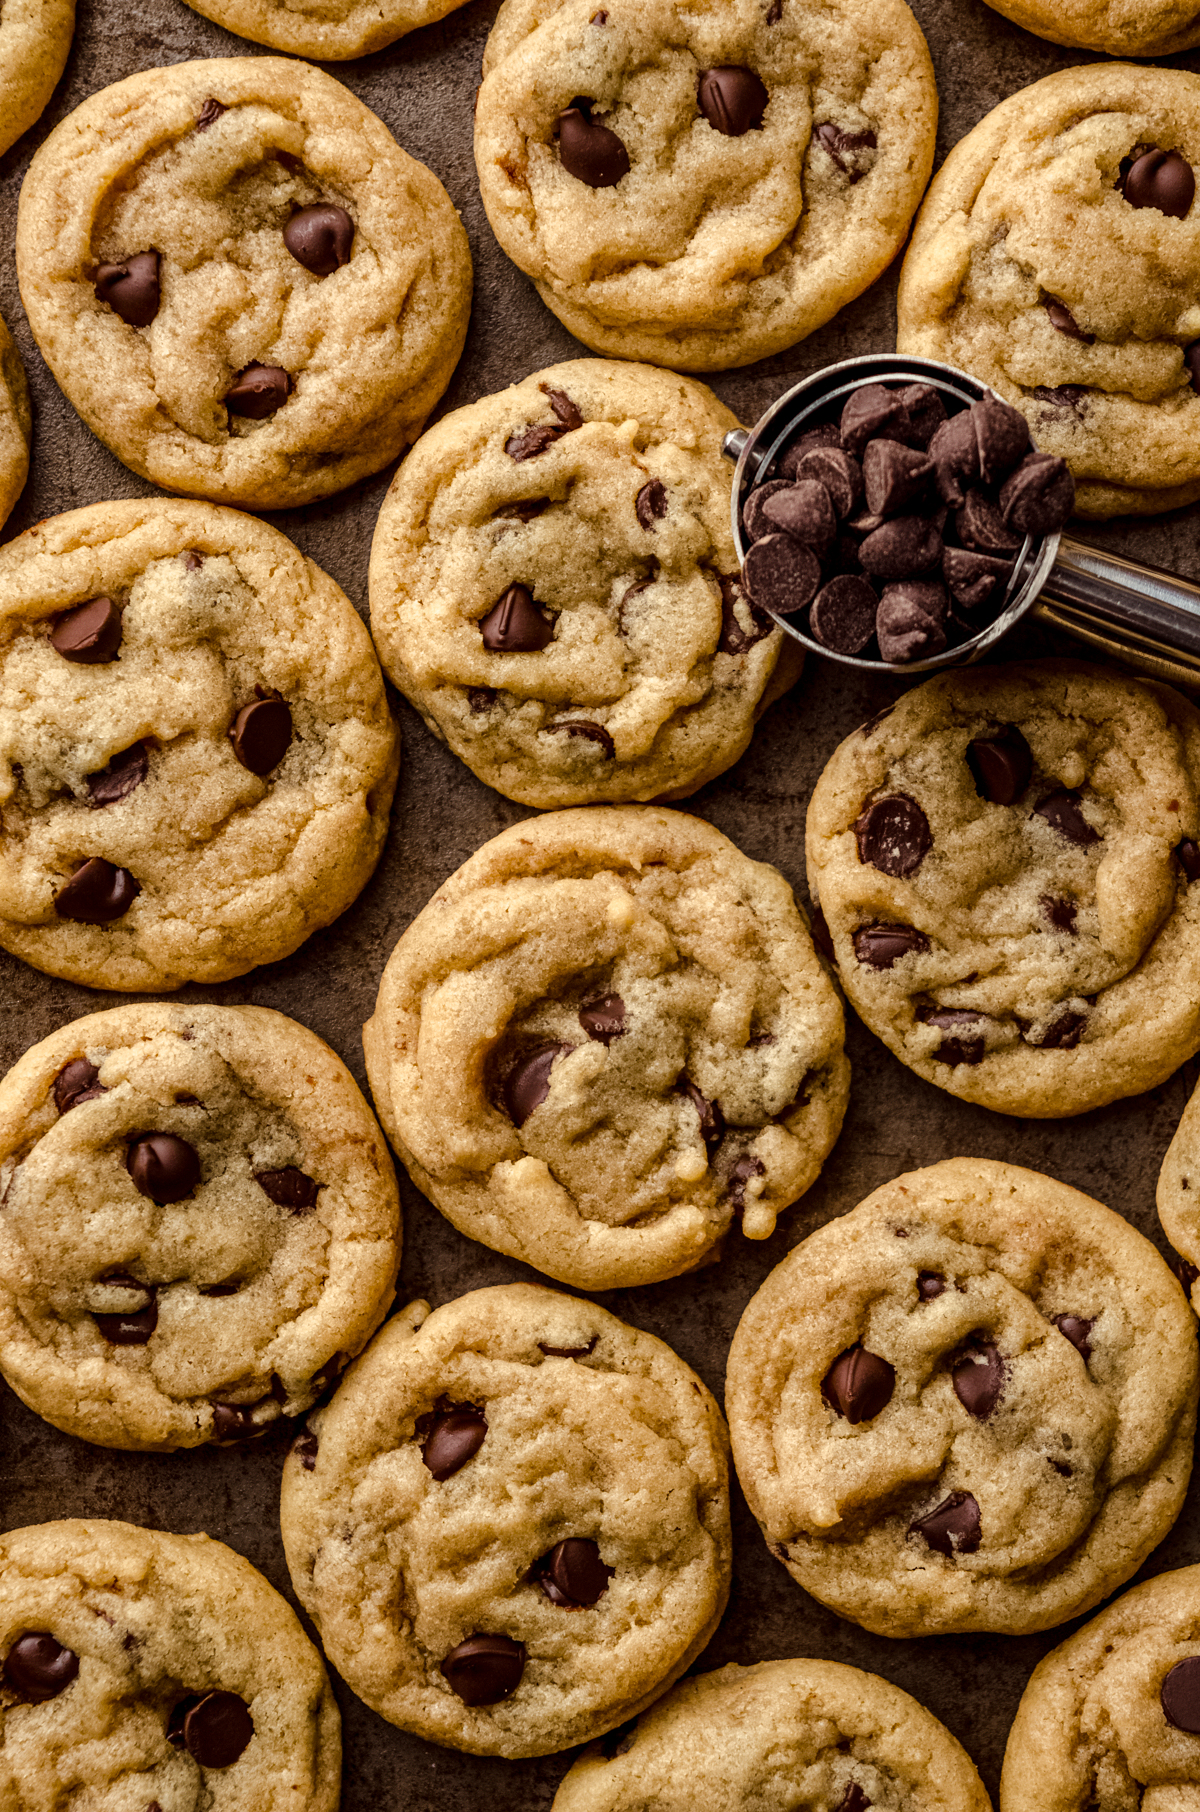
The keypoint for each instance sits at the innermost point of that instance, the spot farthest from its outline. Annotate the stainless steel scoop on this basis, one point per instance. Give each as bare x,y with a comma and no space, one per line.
1143,616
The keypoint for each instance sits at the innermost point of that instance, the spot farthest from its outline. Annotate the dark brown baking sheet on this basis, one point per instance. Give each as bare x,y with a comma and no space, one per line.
423,88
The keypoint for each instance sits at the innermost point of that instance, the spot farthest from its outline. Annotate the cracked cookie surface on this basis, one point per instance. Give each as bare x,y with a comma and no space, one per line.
605,1039
227,366
968,1404
460,1456
782,1736
633,665
200,1227
35,39
1007,862
749,211
194,774
149,1669
16,424
1055,263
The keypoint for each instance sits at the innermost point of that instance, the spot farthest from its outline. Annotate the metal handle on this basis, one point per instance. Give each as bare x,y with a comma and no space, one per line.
1140,614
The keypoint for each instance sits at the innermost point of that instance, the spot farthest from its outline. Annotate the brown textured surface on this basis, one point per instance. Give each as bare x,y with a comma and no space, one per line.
423,87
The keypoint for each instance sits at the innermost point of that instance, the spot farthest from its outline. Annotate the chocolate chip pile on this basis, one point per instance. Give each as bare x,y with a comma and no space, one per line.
897,528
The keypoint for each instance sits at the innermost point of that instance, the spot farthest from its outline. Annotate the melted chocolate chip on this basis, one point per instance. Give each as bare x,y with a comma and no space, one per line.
258,391
216,1728
882,946
1062,813
712,1120
893,835
572,1574
821,935
1059,912
453,1434
484,1669
591,153
978,1378
528,1082
735,639
532,441
235,1422
1180,1695
97,893
1000,765
959,1047
1063,1034
90,634
1187,1273
843,614
569,1352
1064,396
305,1448
123,775
858,1385
131,289
516,624
568,412
76,1082
163,1166
780,574
288,1188
951,1527
132,1328
320,238
620,1741
1191,359
732,100
930,1285
590,732
604,1019
1162,180
39,1667
209,113
651,503
1065,322
854,1799
841,146
1077,1329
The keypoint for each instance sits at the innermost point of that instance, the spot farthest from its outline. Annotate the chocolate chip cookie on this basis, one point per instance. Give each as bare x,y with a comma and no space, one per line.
966,1405
703,186
242,283
605,1040
196,754
1057,258
758,1736
326,30
35,38
1148,28
1111,1718
143,1669
200,1226
554,586
16,423
1178,1190
1005,862
511,1525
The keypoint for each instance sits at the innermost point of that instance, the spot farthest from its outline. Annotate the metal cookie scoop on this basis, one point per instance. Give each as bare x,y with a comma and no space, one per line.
1141,615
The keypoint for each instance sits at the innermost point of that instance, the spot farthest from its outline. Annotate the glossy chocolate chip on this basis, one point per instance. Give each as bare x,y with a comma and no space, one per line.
1064,321
532,441
572,1574
735,637
131,1328
123,775
288,1188
930,1285
453,1436
515,624
754,522
841,476
901,548
590,152
732,100
712,1120
842,147
1039,496
858,1385
76,1082
893,835
39,1667
217,1727
1063,1033
951,1527
872,413
235,1422
954,451
974,579
1162,180
1061,810
320,238
589,732
163,1166
843,614
910,621
1059,912
90,634
528,1082
604,1019
926,412
569,1352
258,391
1000,765
209,113
484,1669
131,289
894,476
780,574
978,1378
746,1167
651,503
882,946
568,412
1187,854
980,524
97,893
804,511
481,698
1077,1329
1180,1695
306,1447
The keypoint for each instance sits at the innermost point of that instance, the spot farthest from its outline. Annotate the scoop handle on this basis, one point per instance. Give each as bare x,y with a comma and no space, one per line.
1139,614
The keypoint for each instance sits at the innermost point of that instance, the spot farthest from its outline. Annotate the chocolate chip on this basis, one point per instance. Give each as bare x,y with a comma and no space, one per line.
1187,1273
261,734
734,637
882,946
320,238
1062,319
568,412
780,574
959,1047
909,622
604,1019
258,391
528,1082
926,412
288,1188
123,775
712,1120
217,1727
1191,358
305,1447
76,1082
131,289
952,1527
192,560
979,1379
97,893
732,100
753,521
532,441
569,1352
805,512
902,547
1059,912
843,614
129,1328
894,476
590,732
979,523
651,504
858,1385
484,1669
1039,496
1062,813
453,1435
1187,854
1064,396
210,112
893,834
1180,1695
747,1166
38,1667
1000,765
825,436
854,1799
90,634
930,1285
973,578
1077,1329
1162,180
872,413
222,1289
589,152
163,1166
1063,1034
516,624
954,451
235,1422
841,476
572,1574
841,146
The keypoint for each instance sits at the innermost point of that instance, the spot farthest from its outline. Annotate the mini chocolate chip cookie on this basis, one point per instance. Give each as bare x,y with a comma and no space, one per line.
703,186
157,1671
200,1224
35,38
1057,258
1005,862
1145,28
511,1525
328,31
242,283
1111,1718
605,1040
196,754
16,424
756,1736
554,585
966,1405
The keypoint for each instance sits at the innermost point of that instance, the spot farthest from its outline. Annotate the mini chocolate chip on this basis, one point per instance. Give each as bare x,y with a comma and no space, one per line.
882,946
569,1352
1077,1329
572,1574
824,436
590,732
926,412
1063,1034
305,1447
754,522
893,834
732,100
1039,496
1062,813
1180,1695
528,1082
854,1799
858,1385
97,893
123,775
532,441
1187,853
841,476
974,578
320,238
805,512
734,639
901,548
651,504
76,1082
589,152
129,1328
39,1667
780,574
453,1435
516,624
843,614
90,634
747,1166
930,1285
288,1188
216,1729
131,289
1001,435
872,413
841,146
1059,912
604,1019
979,523
1162,180
951,1527
894,476
978,1378
163,1166
1000,765
209,113
484,1669
910,619
954,451
712,1120
258,391
481,698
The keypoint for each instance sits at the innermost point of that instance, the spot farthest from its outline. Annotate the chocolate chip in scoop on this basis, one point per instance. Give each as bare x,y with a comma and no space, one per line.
754,522
910,621
837,472
516,624
893,835
163,1166
288,1188
1038,497
123,775
258,391
804,511
894,476
858,1385
980,524
261,734
732,100
39,1667
591,153
604,1019
901,548
453,1434
1180,1695
320,238
926,412
974,579
131,289
98,893
781,575
1000,765
90,634
1163,180
951,1527
572,1574
843,614
76,1082
872,413
484,1669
